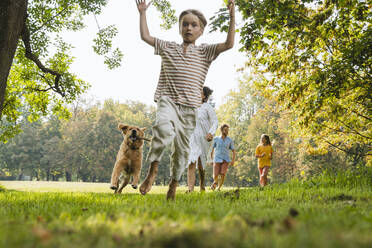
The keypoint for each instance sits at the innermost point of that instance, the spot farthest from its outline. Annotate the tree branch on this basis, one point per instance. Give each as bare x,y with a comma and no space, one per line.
38,89
344,150
2,109
45,23
35,59
353,130
366,117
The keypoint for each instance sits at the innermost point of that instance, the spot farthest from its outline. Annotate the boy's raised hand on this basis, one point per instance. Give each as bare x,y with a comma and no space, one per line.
231,6
141,5
229,43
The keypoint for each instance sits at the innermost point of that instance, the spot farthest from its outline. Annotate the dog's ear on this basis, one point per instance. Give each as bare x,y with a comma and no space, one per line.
143,129
123,127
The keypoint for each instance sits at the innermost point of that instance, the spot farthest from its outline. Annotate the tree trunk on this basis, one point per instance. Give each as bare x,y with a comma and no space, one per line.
48,174
12,19
20,175
68,176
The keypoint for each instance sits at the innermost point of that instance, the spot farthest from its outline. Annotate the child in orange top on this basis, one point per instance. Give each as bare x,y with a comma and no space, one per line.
264,153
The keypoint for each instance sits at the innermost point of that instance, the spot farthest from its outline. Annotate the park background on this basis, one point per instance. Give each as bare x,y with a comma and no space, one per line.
312,98
300,71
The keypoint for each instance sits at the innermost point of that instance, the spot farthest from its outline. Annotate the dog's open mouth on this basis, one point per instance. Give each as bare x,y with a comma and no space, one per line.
133,137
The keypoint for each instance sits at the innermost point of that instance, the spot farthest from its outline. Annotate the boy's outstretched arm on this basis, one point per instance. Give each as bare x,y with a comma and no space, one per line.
144,30
229,43
233,159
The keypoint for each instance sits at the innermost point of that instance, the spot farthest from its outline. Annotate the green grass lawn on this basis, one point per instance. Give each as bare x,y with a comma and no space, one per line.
295,214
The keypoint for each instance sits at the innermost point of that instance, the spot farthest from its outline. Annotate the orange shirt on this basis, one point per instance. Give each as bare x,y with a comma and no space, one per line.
265,160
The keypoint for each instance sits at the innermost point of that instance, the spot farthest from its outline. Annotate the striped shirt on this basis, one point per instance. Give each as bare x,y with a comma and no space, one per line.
182,75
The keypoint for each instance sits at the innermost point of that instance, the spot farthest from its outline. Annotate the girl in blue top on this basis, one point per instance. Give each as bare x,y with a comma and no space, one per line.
222,145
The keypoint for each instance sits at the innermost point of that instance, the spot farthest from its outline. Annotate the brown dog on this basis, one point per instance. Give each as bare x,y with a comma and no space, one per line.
129,157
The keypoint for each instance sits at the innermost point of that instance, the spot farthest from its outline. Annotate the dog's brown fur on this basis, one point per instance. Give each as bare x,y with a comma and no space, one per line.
129,157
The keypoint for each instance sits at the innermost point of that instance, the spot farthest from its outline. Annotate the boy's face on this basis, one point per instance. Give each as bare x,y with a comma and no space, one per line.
190,28
225,131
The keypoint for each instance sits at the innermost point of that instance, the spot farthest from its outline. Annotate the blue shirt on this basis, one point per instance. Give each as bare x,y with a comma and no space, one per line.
221,149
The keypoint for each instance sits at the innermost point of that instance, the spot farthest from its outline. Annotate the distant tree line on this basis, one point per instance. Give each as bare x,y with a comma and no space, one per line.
84,147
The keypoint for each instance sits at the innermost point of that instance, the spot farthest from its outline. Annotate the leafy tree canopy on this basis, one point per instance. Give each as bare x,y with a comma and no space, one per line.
314,58
40,80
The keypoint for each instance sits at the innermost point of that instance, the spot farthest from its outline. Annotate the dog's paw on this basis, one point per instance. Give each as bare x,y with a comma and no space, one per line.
113,187
134,186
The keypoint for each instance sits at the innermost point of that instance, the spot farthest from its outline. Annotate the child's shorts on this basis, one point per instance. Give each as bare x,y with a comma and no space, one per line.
174,125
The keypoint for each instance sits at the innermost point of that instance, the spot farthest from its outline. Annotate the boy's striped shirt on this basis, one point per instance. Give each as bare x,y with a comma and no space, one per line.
182,75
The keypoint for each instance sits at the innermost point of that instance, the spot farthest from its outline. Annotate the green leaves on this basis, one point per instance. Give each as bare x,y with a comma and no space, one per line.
38,93
220,20
103,46
114,60
31,91
167,13
103,41
317,58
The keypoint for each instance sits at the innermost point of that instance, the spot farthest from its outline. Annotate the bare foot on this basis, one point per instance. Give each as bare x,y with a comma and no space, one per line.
213,186
171,194
150,178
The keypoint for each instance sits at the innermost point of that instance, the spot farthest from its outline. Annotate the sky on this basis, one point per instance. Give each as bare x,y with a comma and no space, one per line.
137,78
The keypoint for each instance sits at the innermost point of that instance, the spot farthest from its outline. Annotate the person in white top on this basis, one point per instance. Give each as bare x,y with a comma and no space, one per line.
200,141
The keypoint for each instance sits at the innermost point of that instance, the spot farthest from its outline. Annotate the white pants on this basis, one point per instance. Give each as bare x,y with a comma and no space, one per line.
174,124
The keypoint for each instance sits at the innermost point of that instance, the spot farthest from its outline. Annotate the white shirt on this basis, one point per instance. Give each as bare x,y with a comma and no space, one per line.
206,122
